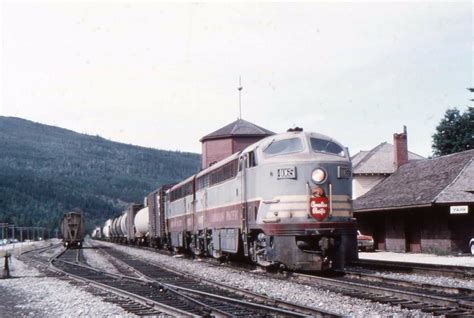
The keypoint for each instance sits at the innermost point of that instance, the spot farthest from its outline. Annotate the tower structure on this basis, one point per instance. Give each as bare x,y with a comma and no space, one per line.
230,139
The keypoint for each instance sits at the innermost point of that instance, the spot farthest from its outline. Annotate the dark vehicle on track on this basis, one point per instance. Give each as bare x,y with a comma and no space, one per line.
72,229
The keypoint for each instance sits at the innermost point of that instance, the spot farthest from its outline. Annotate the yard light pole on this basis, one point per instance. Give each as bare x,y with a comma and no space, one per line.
3,226
13,231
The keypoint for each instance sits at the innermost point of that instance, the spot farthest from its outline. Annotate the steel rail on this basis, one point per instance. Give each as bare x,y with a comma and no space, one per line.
148,304
455,271
286,308
147,280
169,310
383,294
412,284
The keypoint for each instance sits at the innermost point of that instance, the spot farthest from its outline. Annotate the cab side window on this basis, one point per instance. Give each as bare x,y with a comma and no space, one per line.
251,162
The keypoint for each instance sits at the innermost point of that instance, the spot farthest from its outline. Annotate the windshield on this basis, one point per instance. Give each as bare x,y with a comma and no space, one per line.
321,145
284,146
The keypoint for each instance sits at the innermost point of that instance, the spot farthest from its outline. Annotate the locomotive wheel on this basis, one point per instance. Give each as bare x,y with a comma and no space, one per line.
216,254
196,245
256,256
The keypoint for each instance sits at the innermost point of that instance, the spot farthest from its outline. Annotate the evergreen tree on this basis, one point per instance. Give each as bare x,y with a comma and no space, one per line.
455,132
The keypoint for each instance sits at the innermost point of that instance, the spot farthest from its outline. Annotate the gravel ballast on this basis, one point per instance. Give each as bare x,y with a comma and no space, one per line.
278,289
30,293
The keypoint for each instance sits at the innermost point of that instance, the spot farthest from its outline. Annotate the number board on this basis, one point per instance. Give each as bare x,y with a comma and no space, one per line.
286,173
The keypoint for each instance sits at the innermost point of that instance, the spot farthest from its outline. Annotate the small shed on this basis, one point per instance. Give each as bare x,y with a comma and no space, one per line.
425,206
230,139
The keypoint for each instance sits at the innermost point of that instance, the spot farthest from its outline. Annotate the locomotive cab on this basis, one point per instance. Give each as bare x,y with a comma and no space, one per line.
298,202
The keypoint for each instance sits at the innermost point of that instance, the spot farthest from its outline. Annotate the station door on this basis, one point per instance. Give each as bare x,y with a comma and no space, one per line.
413,222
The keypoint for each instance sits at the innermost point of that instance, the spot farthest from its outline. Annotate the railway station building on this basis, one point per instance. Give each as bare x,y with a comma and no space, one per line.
369,168
424,206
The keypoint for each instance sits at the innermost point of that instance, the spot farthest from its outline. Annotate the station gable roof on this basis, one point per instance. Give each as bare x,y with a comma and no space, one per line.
238,128
379,160
445,179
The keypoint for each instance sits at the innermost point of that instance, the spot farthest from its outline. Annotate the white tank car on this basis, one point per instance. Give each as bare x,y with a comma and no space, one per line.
113,227
116,230
97,233
141,223
106,229
123,225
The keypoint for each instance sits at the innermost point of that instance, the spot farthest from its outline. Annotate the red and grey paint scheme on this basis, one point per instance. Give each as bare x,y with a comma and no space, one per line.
284,200
264,207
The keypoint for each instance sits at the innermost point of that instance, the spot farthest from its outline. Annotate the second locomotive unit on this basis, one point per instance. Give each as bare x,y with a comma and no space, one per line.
284,200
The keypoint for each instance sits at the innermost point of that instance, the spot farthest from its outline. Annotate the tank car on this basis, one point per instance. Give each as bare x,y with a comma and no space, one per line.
141,222
107,229
72,229
129,224
285,200
97,233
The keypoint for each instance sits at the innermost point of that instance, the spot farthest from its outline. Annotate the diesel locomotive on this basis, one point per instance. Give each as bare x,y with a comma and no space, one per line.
284,200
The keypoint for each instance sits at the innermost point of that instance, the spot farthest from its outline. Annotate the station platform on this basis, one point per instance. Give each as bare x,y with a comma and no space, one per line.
462,260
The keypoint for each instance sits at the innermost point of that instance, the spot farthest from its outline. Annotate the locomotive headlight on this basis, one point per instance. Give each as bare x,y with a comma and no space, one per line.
318,175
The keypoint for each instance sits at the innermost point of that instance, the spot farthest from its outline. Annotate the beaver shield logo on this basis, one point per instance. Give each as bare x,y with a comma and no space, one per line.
319,207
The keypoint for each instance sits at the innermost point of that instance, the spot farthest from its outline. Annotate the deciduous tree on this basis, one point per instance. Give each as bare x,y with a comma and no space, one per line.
454,133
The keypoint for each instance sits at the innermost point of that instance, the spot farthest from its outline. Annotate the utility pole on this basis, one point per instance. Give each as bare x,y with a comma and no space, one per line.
13,231
4,226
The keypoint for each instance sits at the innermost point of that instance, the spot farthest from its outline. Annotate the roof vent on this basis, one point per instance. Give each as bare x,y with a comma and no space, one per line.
296,129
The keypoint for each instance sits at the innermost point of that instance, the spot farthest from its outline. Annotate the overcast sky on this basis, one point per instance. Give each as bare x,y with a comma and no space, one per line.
164,75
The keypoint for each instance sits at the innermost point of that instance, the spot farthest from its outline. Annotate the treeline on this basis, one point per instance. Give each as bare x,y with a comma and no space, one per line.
46,170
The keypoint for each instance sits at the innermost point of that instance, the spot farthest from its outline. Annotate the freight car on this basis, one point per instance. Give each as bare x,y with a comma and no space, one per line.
122,228
72,229
284,200
157,225
97,233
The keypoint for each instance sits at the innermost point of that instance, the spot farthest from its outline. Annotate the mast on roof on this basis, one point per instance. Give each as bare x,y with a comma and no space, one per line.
240,97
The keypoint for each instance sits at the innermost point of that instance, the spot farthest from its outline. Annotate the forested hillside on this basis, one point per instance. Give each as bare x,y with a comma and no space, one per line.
46,170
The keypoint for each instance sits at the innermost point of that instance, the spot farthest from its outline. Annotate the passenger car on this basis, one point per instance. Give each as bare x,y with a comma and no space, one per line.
471,246
365,242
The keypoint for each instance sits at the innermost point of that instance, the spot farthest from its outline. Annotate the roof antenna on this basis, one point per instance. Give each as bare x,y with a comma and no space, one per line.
240,97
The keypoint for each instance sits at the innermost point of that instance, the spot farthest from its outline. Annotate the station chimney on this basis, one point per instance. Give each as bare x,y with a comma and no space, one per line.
401,148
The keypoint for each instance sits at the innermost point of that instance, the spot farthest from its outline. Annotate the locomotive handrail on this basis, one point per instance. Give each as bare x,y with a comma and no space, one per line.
330,199
308,194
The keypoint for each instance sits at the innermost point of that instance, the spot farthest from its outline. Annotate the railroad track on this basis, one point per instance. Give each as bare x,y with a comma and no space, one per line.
453,271
429,299
225,300
434,299
37,258
69,265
